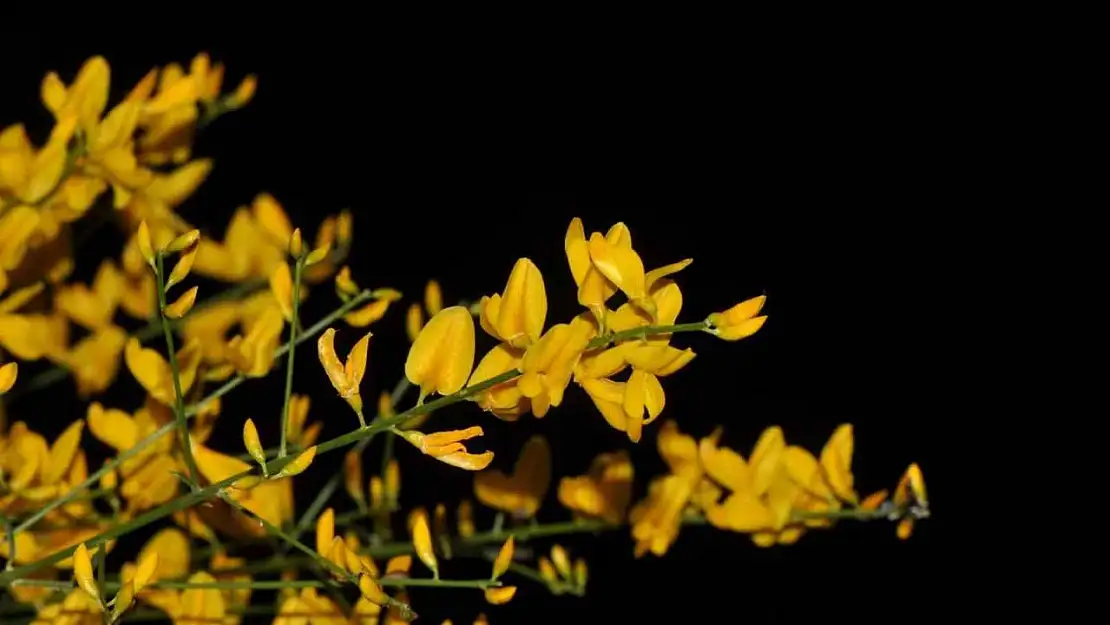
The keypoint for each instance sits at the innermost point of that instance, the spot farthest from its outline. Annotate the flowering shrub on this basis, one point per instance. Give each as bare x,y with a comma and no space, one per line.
62,518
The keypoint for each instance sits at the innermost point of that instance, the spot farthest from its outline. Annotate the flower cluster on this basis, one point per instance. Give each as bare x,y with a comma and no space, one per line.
219,507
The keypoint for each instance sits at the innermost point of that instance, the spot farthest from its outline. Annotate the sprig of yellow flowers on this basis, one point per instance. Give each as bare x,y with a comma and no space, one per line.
141,150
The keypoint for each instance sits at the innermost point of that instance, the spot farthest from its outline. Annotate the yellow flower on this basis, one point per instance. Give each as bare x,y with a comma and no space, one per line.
345,377
656,520
92,308
442,356
522,493
270,500
248,251
447,447
548,365
740,321
154,373
253,354
94,360
604,492
517,317
505,400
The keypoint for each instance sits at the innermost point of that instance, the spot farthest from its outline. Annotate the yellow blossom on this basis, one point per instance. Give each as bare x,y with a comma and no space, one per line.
517,317
153,372
521,493
442,356
740,321
604,492
253,354
345,376
447,447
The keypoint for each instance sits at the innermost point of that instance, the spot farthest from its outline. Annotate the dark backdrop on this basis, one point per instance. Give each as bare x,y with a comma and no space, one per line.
804,174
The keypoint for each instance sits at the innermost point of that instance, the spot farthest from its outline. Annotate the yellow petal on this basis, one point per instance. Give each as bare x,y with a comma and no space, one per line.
504,558
8,374
148,567
422,541
500,595
183,305
442,355
83,572
62,453
281,285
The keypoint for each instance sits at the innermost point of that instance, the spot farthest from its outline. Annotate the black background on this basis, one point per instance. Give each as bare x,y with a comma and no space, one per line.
800,169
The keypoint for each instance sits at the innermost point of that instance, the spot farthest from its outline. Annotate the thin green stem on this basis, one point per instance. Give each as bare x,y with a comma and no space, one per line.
178,399
190,411
646,331
294,324
272,467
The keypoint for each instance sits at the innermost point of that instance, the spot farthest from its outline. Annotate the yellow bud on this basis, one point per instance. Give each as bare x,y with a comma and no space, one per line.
376,496
183,267
414,321
317,255
433,297
253,443
422,541
299,464
547,571
500,595
325,531
8,375
504,558
183,305
344,226
296,244
146,246
372,591
247,482
465,519
83,572
352,475
580,574
392,481
562,562
243,93
345,286
185,241
124,599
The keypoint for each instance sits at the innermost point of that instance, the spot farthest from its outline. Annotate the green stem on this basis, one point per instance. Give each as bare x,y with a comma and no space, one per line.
178,398
646,331
189,412
293,325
